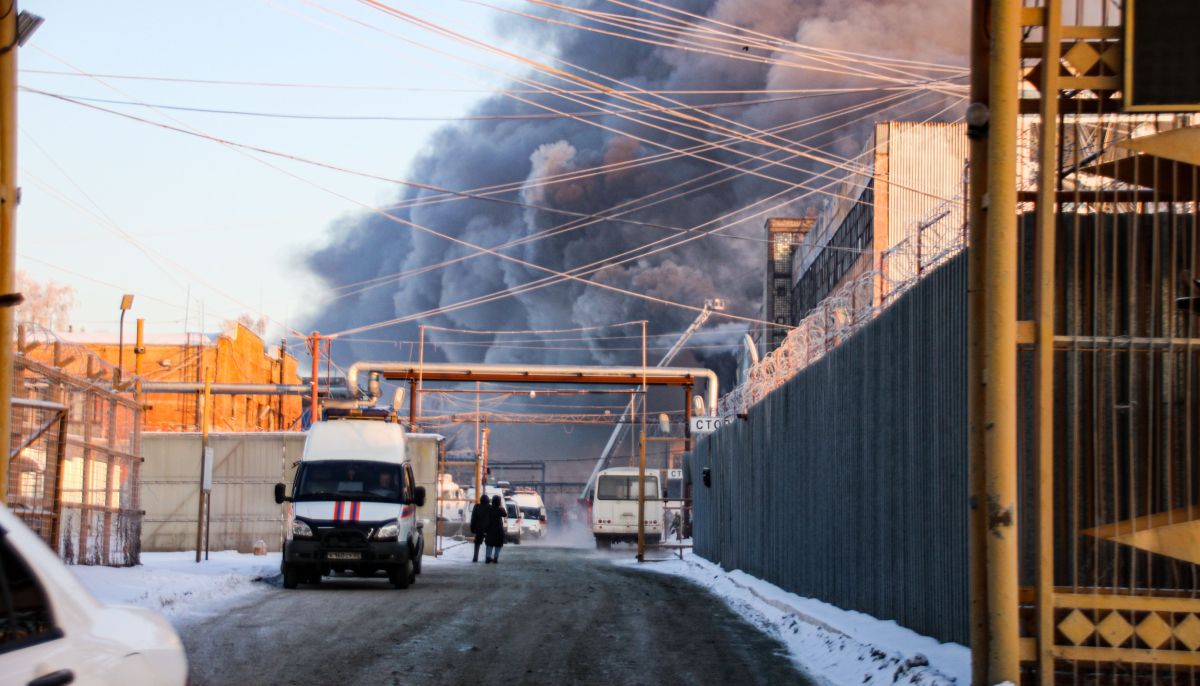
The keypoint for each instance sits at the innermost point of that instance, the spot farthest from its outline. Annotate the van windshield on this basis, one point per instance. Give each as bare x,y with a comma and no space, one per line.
624,488
349,480
532,512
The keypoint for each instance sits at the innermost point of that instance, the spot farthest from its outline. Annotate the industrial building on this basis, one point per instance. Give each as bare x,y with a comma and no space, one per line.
900,215
236,355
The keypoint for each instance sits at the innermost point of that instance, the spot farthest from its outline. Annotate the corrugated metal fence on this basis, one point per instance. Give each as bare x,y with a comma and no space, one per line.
246,466
849,483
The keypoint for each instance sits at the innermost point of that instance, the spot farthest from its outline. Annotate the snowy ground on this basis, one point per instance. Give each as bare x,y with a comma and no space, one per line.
179,587
184,590
828,643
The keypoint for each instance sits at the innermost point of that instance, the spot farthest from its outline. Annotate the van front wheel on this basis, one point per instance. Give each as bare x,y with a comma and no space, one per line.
402,576
291,576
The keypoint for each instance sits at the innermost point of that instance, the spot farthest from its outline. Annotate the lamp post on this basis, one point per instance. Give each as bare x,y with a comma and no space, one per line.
126,304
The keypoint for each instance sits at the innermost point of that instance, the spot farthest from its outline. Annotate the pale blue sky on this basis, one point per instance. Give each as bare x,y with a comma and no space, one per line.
225,222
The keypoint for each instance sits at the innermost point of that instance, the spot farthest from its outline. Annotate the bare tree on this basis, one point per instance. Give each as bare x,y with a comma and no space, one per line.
47,304
258,326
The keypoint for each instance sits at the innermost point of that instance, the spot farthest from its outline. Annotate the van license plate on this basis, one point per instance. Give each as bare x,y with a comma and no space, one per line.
343,556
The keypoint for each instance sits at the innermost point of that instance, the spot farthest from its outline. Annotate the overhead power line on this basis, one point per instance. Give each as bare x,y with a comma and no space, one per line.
420,89
465,117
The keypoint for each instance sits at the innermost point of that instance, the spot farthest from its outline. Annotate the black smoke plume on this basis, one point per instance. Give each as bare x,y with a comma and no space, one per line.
478,154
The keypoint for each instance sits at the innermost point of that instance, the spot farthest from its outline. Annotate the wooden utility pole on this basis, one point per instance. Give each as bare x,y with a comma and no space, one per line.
205,462
9,196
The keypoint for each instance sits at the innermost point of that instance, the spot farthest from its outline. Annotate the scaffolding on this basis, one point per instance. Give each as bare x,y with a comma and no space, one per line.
75,459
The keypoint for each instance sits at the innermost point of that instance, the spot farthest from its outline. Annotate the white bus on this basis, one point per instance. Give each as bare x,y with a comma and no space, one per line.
615,507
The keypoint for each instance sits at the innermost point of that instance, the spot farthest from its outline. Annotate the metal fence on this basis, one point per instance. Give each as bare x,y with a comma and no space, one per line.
848,483
74,464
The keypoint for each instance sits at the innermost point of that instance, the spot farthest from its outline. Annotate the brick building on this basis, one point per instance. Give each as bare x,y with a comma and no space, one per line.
236,355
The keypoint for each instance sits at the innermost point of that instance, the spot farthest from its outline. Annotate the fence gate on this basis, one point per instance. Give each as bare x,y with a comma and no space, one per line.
1108,396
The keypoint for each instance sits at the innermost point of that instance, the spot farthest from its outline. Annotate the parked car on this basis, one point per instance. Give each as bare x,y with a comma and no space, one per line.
512,522
53,631
534,511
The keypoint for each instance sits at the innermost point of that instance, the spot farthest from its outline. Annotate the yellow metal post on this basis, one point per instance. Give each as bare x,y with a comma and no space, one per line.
420,381
977,237
641,550
1044,258
641,535
314,410
139,349
8,225
478,452
999,345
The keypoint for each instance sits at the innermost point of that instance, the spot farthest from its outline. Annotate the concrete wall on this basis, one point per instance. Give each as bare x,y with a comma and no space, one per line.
246,467
425,450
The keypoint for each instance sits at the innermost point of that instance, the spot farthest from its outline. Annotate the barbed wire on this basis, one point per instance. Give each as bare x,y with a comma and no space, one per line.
933,240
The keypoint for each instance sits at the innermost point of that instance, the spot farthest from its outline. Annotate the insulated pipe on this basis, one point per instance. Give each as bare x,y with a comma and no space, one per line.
226,388
619,375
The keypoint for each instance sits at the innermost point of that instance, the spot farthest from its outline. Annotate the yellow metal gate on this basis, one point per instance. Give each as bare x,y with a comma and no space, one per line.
1102,527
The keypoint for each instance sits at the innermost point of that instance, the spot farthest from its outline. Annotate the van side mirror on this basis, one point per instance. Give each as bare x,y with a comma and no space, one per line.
279,496
419,496
707,477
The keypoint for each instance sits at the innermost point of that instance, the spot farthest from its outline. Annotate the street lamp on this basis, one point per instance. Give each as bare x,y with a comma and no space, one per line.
27,23
126,304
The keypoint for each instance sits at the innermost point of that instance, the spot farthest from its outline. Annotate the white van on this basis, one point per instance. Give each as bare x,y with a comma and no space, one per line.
534,511
512,522
615,507
353,505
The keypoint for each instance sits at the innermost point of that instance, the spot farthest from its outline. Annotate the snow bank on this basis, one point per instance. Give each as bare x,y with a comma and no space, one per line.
179,587
832,645
182,589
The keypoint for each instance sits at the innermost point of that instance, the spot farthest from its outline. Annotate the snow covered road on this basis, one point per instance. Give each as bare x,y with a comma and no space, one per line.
542,616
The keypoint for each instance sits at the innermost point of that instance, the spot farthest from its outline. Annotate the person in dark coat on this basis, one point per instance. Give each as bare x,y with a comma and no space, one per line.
495,531
479,521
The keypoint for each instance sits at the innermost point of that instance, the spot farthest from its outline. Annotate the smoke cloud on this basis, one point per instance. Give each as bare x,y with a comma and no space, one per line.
484,153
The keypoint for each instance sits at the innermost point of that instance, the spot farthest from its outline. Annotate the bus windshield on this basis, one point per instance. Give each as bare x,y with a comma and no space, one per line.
349,480
674,489
624,488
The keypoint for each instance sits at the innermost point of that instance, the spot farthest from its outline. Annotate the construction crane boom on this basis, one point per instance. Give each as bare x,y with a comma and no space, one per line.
710,306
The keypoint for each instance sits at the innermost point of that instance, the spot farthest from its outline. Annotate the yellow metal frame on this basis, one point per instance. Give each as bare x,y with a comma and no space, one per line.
1086,625
1043,365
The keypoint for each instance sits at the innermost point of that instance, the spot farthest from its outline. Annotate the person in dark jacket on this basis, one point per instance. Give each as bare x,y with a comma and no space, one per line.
495,530
479,521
